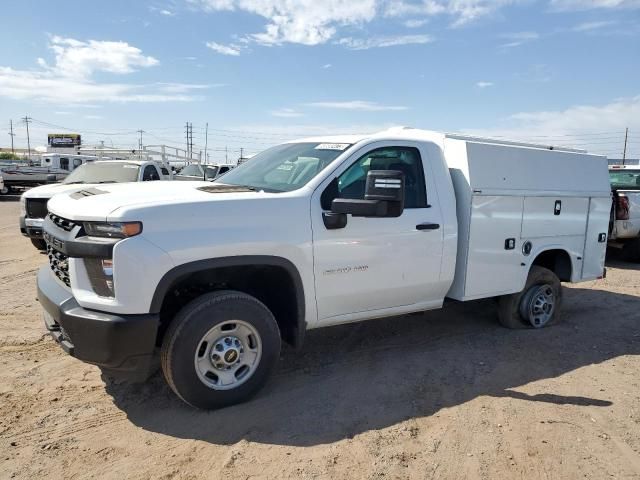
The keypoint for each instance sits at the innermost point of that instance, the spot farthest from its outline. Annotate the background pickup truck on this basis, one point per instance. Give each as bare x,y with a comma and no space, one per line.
33,203
196,172
212,276
625,214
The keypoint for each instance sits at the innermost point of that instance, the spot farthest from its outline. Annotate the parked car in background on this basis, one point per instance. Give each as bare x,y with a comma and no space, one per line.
33,202
213,276
197,172
625,214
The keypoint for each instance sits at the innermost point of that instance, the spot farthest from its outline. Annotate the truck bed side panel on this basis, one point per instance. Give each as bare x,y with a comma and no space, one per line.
594,247
491,267
552,217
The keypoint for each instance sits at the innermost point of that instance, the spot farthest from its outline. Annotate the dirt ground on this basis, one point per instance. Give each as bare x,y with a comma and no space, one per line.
448,394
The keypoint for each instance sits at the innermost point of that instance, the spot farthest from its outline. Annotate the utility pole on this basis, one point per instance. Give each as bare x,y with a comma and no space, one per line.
27,119
624,152
140,139
12,135
189,131
206,141
241,153
226,155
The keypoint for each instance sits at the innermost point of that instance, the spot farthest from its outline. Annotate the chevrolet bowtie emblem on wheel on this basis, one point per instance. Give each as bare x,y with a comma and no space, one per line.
231,356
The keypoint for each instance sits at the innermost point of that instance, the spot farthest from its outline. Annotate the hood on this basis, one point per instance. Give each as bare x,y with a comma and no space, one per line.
48,191
114,200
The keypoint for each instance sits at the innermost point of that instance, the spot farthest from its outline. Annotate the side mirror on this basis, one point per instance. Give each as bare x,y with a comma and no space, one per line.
383,196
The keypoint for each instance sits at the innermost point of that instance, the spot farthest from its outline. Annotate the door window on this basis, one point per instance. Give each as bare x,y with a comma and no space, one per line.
352,182
150,173
64,163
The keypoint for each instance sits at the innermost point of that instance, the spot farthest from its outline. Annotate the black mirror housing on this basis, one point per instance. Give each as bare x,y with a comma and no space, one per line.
387,185
384,196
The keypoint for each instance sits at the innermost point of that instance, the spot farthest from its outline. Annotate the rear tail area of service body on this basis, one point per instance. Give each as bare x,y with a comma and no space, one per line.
520,206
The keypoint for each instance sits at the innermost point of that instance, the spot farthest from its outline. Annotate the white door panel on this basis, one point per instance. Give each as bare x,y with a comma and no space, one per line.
594,247
539,218
377,263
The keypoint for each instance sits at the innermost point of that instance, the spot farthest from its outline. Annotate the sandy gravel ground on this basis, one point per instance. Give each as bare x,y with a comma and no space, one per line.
447,394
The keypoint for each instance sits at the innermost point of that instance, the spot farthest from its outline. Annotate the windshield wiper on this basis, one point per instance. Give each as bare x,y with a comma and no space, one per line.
74,183
107,181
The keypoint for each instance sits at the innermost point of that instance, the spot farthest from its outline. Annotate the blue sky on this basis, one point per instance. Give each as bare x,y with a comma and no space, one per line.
558,71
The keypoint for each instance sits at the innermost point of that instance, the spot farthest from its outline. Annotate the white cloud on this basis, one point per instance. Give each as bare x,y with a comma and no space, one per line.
462,11
415,23
287,113
359,105
484,84
167,13
231,49
518,38
307,22
69,80
386,41
74,57
563,5
185,87
590,26
574,126
93,117
327,65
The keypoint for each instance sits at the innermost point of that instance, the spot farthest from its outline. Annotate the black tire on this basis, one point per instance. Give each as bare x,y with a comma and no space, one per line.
191,324
511,307
631,251
39,243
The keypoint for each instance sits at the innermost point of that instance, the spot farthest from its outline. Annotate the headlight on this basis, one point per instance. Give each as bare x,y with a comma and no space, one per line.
113,230
23,205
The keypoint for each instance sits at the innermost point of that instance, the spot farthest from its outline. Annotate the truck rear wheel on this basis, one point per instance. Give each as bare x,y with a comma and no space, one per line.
220,349
537,305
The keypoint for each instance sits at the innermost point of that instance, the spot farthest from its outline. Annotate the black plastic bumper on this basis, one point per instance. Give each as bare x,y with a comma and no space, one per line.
31,232
122,344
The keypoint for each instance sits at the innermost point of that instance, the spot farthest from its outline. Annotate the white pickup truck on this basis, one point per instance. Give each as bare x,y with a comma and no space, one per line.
33,203
312,233
625,215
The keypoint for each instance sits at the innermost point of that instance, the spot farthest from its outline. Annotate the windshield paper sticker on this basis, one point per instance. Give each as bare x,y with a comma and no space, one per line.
332,146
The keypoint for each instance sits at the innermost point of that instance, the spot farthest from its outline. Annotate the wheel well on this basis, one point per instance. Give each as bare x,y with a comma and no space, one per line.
558,261
273,285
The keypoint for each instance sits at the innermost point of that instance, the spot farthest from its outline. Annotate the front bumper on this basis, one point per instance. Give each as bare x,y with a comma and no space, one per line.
124,345
31,227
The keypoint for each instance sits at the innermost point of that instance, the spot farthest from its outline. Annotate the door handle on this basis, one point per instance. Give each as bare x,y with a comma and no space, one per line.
428,226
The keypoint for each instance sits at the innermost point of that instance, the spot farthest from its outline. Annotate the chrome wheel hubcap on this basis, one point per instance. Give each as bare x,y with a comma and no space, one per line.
228,355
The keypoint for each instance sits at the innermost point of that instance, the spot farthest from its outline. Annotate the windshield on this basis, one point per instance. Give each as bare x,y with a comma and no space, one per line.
625,179
104,172
285,167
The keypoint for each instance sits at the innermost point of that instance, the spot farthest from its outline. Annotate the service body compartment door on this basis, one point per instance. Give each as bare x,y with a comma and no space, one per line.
595,242
554,216
493,263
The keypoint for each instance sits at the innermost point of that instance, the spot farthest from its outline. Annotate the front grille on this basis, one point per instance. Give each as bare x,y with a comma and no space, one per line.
36,207
59,264
63,223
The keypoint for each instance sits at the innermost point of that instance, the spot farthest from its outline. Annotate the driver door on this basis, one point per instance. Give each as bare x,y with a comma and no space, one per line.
378,264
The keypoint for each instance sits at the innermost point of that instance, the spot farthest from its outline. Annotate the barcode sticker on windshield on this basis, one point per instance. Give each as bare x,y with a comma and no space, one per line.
332,146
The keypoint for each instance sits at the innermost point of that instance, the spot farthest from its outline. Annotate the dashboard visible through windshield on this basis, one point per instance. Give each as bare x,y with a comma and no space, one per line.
285,167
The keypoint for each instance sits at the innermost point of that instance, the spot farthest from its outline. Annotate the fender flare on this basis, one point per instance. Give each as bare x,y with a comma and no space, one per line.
180,271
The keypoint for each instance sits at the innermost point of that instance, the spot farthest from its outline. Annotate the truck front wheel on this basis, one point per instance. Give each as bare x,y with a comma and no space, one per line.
537,305
220,349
